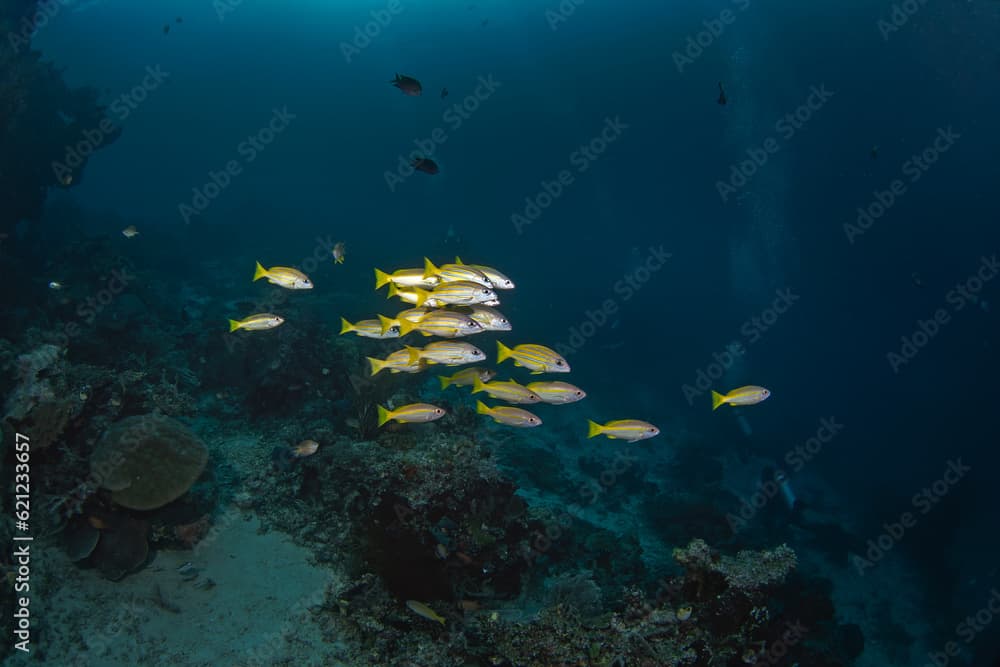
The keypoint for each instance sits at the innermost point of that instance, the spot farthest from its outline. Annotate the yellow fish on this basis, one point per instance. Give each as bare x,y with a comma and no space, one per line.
748,395
504,414
444,323
459,293
490,319
410,314
466,377
499,280
557,392
446,352
130,232
536,358
368,329
410,295
405,278
510,391
451,273
420,609
283,276
257,322
409,414
630,430
397,362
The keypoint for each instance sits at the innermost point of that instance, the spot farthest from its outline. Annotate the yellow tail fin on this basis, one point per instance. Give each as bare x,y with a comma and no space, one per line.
478,386
345,326
502,351
482,409
233,325
259,272
414,354
458,260
383,415
429,269
593,428
381,278
387,323
377,364
393,291
422,295
405,327
717,399
445,381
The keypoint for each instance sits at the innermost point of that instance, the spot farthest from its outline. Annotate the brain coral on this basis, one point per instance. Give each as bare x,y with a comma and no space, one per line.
147,461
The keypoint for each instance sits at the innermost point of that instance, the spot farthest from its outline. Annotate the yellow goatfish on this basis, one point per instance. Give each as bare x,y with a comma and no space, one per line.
557,392
499,280
409,414
283,276
536,358
420,609
748,395
368,329
630,430
504,414
466,377
510,391
451,273
405,278
257,322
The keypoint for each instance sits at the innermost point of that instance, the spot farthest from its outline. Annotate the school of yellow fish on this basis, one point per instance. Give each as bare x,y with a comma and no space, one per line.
453,301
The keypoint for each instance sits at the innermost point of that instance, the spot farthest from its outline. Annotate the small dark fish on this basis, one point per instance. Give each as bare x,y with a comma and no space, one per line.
444,93
722,95
426,165
484,22
408,85
874,152
180,19
166,29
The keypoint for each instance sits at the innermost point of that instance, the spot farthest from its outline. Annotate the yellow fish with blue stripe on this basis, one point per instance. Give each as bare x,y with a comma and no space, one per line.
509,391
536,358
420,609
557,392
444,323
748,395
451,273
405,278
258,322
368,329
491,319
409,295
410,314
459,293
466,377
499,280
447,353
283,276
397,362
630,430
414,413
505,414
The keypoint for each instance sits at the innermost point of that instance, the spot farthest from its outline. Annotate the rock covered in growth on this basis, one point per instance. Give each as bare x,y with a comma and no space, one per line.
747,571
33,386
147,461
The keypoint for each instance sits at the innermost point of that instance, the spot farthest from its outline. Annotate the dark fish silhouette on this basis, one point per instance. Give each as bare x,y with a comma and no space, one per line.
408,85
426,165
166,29
722,95
444,93
874,152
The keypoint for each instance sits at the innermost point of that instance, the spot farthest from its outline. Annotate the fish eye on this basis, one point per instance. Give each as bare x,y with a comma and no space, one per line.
559,362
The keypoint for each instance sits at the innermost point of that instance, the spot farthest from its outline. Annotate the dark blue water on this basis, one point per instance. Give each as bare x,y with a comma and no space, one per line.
830,233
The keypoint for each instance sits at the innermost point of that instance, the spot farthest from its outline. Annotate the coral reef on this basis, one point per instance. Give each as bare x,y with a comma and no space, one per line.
147,461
